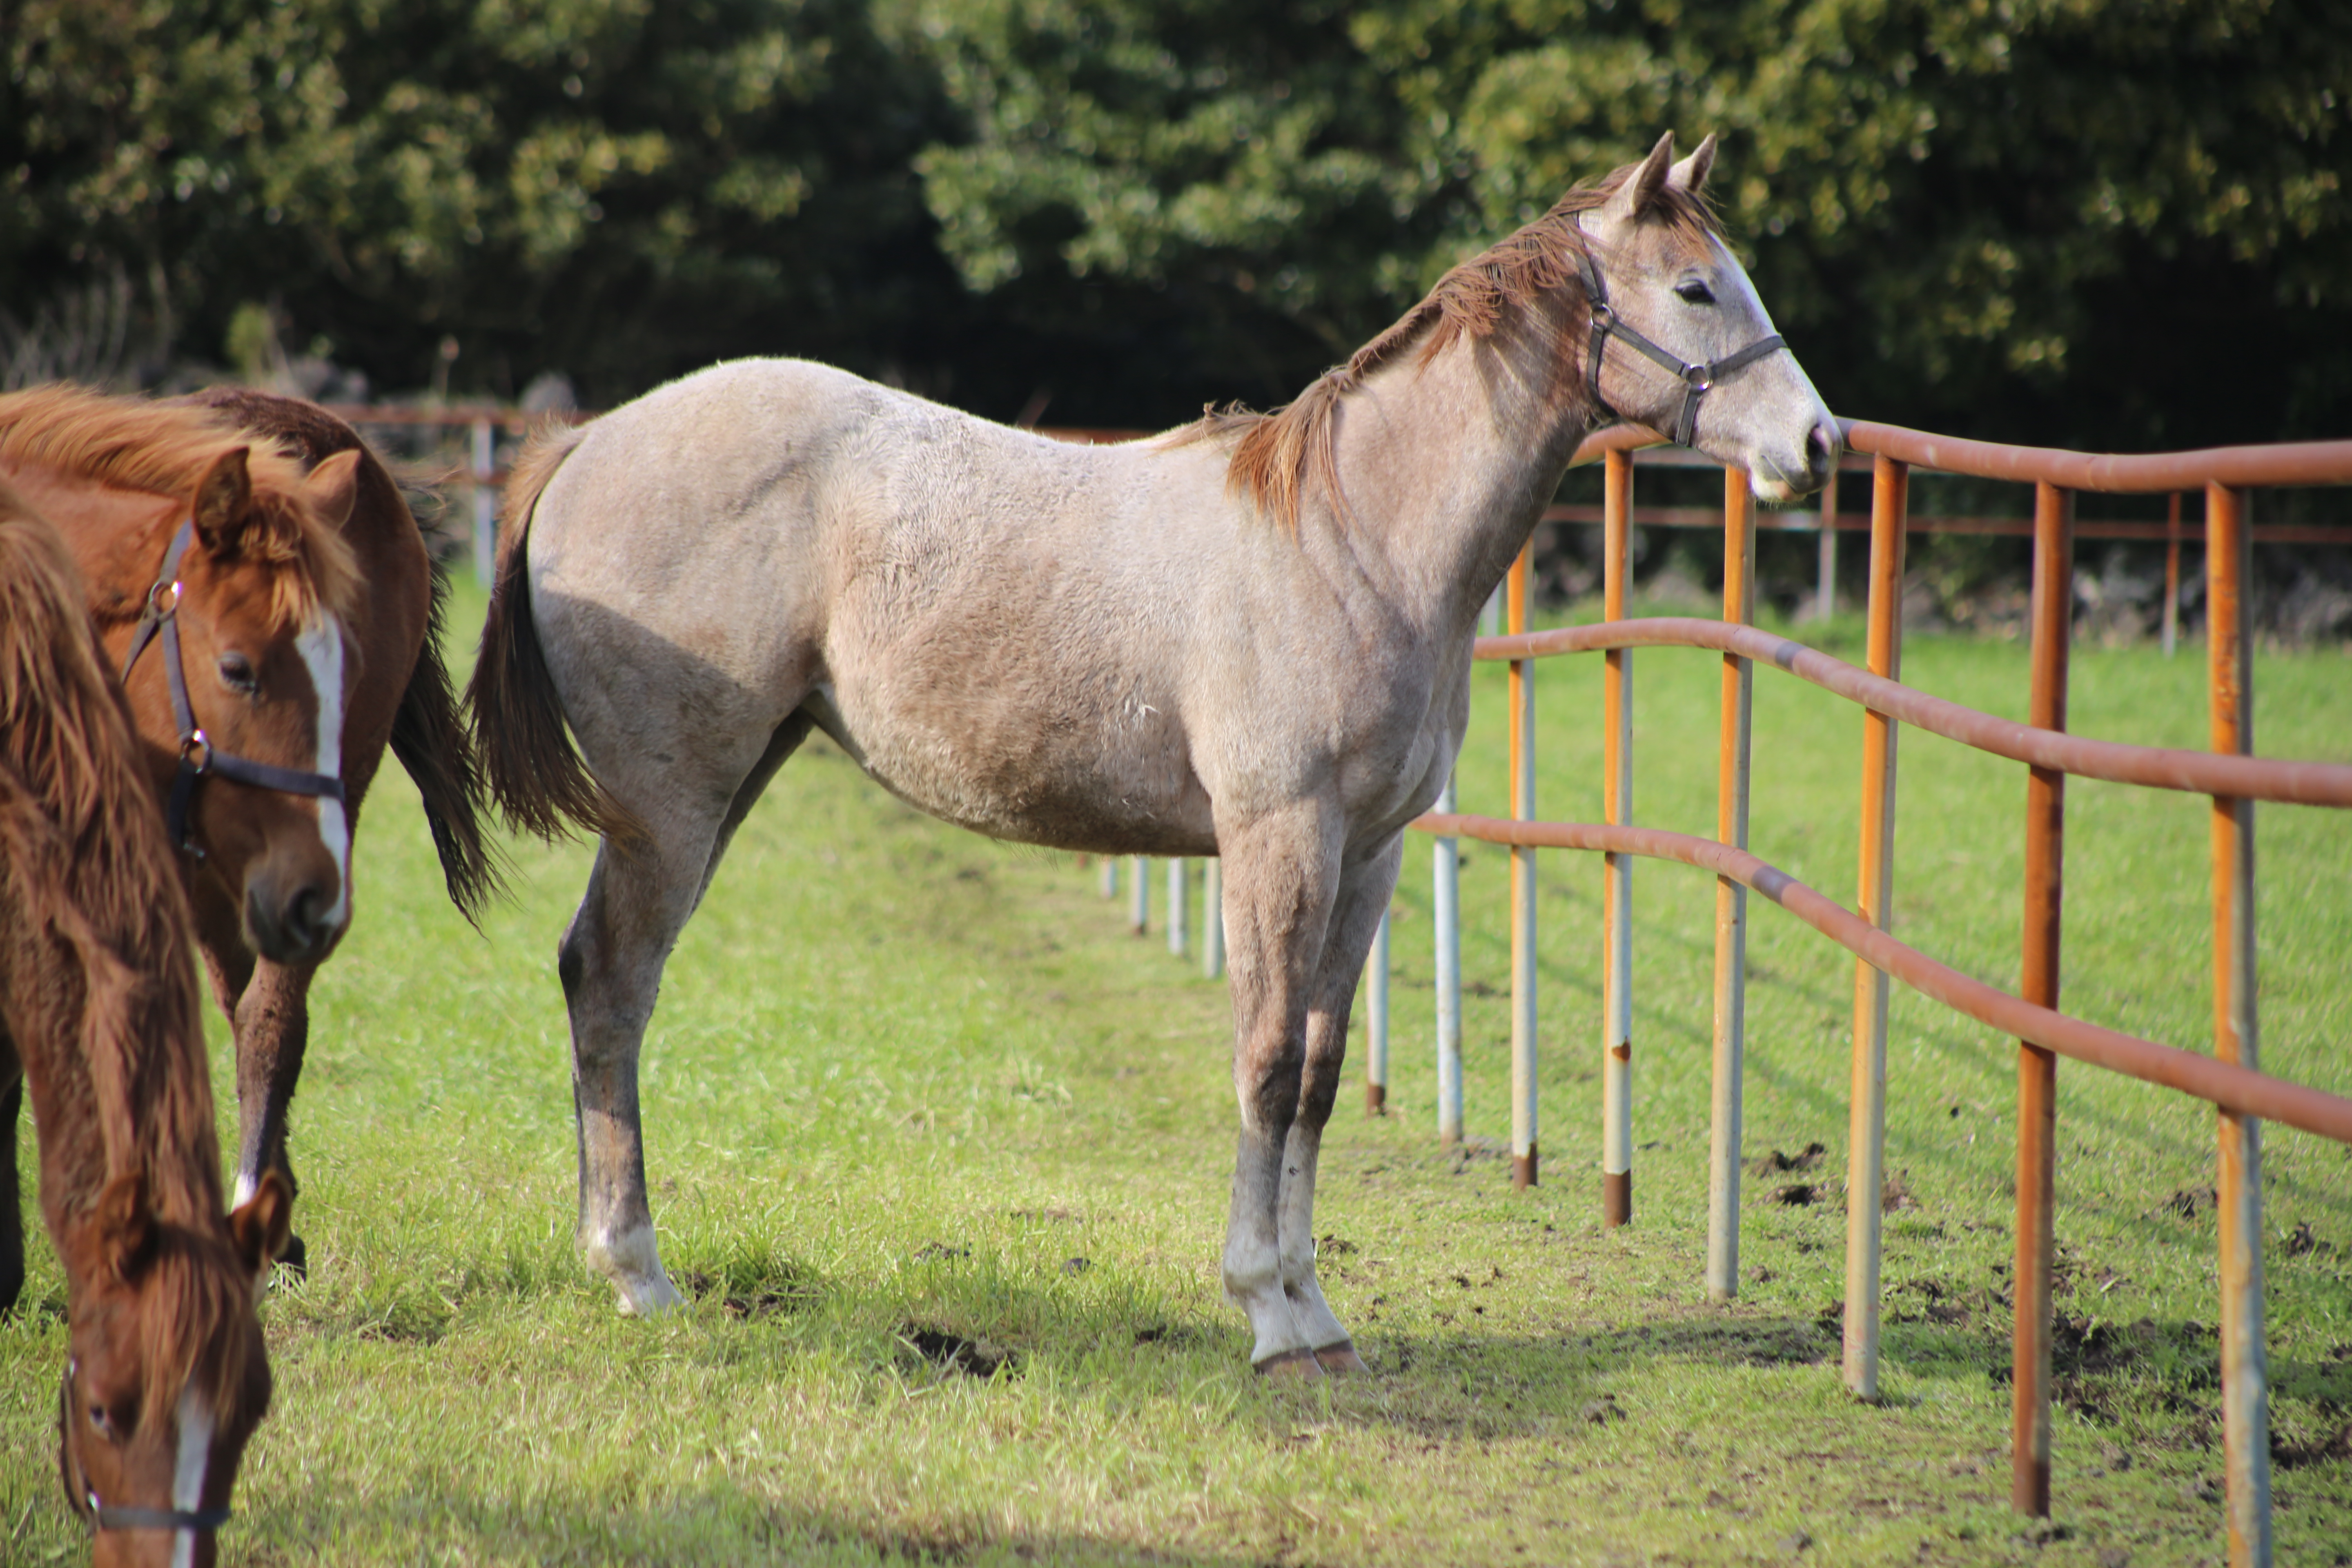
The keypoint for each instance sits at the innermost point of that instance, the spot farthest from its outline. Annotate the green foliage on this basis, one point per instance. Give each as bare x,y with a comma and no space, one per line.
1967,212
614,187
2061,219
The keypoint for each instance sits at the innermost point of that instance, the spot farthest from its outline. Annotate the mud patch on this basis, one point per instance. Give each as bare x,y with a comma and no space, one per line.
953,1353
1776,1162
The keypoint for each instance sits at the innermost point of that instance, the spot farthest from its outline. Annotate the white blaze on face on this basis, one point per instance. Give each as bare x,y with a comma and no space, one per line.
188,1471
321,647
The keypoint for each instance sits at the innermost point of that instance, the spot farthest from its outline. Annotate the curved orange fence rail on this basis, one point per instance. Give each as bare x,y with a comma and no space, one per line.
2229,774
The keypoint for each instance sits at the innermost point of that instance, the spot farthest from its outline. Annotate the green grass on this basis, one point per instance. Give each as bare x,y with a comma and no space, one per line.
901,1078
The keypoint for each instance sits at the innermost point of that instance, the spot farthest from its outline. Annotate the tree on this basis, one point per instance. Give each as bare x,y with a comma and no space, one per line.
620,189
2067,220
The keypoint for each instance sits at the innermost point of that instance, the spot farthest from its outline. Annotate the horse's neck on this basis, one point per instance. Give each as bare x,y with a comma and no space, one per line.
1463,452
116,537
114,1085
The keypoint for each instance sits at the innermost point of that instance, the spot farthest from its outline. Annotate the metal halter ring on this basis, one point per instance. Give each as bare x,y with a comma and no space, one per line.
196,742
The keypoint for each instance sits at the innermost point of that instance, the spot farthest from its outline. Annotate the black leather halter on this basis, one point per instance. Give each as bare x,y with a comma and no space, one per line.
107,1517
1698,380
198,757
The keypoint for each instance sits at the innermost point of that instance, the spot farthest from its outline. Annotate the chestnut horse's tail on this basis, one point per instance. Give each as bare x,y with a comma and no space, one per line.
536,773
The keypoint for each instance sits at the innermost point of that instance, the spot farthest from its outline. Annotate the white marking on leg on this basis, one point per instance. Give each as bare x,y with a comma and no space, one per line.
631,1259
321,647
188,1471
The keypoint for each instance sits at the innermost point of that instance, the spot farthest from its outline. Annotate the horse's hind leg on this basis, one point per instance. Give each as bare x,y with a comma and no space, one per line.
611,963
1364,892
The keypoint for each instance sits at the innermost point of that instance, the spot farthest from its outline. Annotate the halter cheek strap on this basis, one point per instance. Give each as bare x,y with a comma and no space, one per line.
1698,380
198,757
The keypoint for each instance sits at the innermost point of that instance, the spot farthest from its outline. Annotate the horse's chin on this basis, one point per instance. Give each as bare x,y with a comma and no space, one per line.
1771,487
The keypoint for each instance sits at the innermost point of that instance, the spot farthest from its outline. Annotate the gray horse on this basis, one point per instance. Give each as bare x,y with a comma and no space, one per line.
1248,637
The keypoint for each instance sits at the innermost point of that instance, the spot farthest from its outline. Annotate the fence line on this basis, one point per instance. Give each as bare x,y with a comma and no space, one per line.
2229,774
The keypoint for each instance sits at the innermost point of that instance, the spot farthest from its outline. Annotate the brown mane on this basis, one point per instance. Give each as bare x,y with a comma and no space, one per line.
97,967
1277,456
164,448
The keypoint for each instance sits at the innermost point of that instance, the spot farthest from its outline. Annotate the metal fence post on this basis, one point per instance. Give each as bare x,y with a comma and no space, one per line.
2245,1365
1731,899
1376,1023
1617,874
1213,918
2171,572
1110,877
486,501
1180,904
1524,1157
1866,1128
1825,597
1445,861
2037,1069
1139,910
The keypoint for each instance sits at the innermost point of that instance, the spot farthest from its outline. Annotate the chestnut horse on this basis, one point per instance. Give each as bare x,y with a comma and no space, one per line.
1250,638
167,1376
280,515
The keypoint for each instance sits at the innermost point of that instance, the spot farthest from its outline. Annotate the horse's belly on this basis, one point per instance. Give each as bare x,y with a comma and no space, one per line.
1126,787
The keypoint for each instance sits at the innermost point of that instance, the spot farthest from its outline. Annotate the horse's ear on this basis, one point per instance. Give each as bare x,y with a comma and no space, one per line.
262,1225
122,1227
335,488
1642,186
1690,175
223,501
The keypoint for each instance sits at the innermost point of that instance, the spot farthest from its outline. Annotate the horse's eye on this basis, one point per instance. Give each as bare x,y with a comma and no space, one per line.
236,673
1694,293
102,1422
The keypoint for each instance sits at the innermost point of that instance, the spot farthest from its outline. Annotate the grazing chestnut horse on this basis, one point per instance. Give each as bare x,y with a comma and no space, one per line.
1249,638
301,639
167,1377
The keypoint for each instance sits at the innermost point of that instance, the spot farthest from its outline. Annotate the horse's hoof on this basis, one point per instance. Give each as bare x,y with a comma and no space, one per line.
296,1258
1340,1360
1292,1366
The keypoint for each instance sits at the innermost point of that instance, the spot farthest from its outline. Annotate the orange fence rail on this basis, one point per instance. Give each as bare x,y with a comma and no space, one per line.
2229,1079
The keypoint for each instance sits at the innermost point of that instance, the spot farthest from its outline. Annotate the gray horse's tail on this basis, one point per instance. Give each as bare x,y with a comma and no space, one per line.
536,773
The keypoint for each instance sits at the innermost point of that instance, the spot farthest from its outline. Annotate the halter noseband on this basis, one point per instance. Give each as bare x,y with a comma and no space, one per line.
198,757
1698,380
103,1517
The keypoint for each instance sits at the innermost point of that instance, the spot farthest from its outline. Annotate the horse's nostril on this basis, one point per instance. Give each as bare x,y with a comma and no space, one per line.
1821,450
306,918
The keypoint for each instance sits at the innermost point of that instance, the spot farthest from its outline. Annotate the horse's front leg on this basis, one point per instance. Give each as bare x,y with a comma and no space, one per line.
269,1009
1364,891
273,1029
1281,875
12,1214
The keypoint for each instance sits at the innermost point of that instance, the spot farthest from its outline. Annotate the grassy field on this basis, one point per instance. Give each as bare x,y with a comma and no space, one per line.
918,1109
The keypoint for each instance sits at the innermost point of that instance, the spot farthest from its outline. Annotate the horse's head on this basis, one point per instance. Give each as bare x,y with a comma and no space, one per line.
1672,291
168,1376
265,669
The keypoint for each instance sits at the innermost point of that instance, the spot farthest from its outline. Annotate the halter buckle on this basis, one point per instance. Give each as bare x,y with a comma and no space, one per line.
194,743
